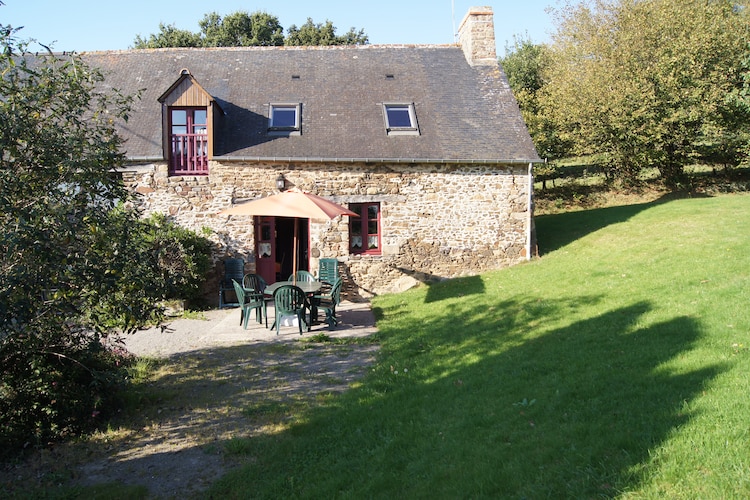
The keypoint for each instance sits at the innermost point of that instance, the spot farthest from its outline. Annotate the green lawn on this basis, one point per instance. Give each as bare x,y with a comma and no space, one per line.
617,365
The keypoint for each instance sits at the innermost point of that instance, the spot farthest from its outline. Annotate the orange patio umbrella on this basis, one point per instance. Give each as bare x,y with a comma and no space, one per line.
292,203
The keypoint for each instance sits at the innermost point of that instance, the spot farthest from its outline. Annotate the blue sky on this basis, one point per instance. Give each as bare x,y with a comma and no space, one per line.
86,25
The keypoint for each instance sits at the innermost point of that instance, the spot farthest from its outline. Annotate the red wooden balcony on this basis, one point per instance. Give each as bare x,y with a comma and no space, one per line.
189,154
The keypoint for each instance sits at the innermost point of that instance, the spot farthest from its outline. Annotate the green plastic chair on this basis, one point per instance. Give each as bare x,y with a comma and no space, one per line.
302,276
289,300
328,302
254,282
328,270
249,301
234,269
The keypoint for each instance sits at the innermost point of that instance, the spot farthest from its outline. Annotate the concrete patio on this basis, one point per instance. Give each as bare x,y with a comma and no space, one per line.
222,328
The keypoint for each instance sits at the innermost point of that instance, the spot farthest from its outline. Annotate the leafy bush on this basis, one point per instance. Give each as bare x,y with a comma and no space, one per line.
181,257
50,390
57,378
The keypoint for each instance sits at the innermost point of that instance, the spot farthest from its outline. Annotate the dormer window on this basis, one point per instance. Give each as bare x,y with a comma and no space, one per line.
188,115
400,119
284,119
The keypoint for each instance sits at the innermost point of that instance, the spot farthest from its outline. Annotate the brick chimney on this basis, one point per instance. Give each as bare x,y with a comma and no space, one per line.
476,36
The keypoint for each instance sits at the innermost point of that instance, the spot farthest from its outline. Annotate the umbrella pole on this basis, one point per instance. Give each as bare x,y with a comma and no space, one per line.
294,251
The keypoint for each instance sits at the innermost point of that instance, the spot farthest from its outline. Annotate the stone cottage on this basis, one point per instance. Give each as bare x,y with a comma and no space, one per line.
426,142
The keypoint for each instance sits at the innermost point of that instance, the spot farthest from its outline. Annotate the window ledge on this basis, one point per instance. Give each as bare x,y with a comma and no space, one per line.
402,132
283,133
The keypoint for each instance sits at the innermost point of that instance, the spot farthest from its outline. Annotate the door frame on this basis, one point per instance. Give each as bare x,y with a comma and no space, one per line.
274,246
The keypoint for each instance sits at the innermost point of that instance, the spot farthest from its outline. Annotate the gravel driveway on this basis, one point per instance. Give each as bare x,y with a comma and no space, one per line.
220,381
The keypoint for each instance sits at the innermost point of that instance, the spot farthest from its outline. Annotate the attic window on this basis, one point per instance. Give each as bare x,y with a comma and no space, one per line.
284,119
400,119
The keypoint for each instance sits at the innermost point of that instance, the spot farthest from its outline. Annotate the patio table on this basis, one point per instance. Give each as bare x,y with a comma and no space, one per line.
310,288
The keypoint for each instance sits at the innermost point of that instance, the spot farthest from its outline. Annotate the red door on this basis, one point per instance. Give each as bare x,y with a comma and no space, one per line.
265,248
274,244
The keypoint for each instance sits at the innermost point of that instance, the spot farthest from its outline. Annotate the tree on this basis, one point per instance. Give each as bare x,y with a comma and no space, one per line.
526,64
241,29
76,264
646,82
354,37
741,99
322,34
168,36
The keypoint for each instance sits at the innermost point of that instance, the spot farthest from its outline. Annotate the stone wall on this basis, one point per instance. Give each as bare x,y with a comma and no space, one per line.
437,220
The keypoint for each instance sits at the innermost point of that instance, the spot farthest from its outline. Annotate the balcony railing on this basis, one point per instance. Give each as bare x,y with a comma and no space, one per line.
189,154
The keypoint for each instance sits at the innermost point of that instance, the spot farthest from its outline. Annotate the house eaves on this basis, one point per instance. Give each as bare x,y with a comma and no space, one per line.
377,160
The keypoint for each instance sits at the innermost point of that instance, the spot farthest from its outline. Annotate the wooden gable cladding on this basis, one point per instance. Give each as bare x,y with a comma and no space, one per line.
187,92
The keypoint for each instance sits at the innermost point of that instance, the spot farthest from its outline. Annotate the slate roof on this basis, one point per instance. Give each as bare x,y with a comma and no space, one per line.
464,112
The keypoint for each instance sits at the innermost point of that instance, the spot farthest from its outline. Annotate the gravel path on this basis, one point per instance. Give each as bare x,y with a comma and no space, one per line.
218,373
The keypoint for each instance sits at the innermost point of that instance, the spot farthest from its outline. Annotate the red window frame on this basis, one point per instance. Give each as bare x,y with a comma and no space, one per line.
365,230
188,141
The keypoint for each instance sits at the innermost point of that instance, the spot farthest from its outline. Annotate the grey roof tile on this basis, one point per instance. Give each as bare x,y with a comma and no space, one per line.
464,112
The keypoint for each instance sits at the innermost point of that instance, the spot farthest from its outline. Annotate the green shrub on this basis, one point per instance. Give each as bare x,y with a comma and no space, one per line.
56,378
54,387
181,257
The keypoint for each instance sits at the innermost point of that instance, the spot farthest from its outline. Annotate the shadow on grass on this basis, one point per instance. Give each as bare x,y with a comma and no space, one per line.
557,230
457,287
477,408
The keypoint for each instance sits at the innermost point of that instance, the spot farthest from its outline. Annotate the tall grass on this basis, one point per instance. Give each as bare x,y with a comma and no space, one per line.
615,365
